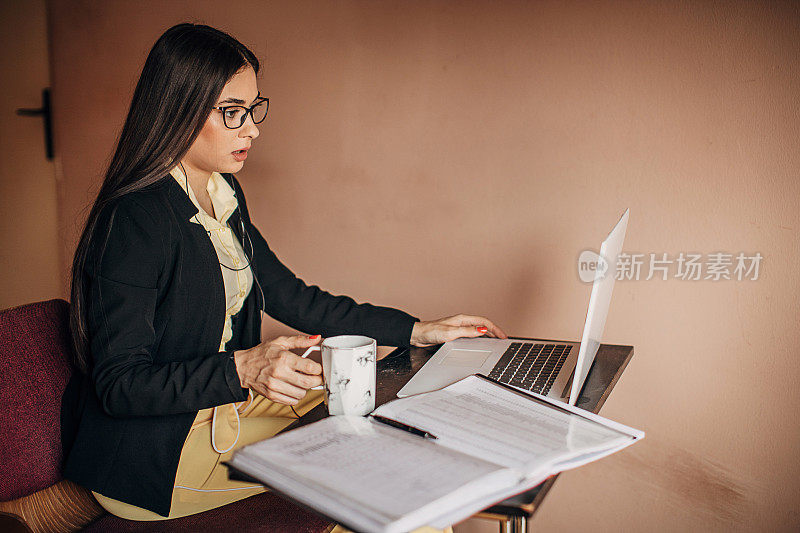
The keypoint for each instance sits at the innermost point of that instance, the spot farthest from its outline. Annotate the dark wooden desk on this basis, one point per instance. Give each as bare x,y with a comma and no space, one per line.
397,368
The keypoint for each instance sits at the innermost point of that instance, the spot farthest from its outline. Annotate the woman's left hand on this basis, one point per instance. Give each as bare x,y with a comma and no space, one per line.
453,327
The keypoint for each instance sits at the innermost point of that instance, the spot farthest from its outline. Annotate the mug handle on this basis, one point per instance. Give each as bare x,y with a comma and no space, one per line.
312,349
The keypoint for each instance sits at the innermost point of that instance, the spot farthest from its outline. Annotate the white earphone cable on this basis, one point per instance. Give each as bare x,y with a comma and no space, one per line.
238,424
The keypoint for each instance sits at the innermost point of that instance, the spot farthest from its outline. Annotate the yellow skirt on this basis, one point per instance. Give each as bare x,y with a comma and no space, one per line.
201,482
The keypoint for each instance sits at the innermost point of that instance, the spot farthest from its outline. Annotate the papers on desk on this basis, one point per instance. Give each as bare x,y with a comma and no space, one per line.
491,443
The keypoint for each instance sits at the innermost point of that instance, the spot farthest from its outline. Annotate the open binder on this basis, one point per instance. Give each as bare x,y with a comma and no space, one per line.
431,459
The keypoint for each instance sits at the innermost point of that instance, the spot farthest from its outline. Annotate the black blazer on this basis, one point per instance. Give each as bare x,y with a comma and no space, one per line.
156,309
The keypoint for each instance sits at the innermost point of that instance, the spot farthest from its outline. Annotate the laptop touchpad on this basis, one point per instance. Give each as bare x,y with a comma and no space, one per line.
474,358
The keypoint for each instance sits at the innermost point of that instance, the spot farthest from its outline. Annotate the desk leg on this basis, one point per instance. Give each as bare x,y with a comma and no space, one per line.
513,524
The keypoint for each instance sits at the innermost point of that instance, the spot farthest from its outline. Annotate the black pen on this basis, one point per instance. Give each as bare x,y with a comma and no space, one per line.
404,427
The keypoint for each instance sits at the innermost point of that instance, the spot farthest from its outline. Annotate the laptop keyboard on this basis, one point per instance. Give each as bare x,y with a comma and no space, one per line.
531,366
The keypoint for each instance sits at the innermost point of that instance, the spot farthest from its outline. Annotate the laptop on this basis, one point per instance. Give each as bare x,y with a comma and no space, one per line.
551,368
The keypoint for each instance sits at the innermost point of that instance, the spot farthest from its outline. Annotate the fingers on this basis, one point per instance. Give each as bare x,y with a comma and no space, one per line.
294,362
285,384
300,379
492,330
466,331
282,376
296,370
276,396
297,341
499,333
299,364
278,386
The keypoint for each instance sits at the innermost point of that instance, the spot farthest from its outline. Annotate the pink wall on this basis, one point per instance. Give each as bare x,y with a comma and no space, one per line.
449,157
28,235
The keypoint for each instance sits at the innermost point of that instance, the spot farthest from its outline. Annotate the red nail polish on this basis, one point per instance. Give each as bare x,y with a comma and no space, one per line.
313,336
482,329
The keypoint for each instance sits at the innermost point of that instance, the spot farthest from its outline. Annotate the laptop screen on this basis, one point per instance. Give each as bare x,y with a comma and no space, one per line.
599,302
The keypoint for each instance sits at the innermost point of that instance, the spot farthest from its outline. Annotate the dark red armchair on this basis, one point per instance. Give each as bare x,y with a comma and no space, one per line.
34,369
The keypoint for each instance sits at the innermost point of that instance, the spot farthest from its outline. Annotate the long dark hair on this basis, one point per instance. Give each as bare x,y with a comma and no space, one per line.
183,76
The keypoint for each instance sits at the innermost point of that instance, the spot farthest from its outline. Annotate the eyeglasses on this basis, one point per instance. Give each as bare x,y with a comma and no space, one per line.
233,116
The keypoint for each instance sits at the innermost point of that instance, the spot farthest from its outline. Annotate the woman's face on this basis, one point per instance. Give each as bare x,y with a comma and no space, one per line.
213,150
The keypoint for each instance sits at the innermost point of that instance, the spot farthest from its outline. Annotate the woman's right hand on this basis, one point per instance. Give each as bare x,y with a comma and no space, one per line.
273,371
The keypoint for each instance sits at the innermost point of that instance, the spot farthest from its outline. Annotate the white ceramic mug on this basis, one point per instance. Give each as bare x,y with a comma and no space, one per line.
348,369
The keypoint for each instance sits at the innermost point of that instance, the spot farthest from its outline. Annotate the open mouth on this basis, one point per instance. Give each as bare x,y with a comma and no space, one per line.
240,151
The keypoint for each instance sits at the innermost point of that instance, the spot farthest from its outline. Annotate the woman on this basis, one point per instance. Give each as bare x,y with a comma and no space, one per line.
169,280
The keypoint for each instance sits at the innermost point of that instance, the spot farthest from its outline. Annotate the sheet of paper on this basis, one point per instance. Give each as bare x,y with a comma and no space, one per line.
485,420
391,472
